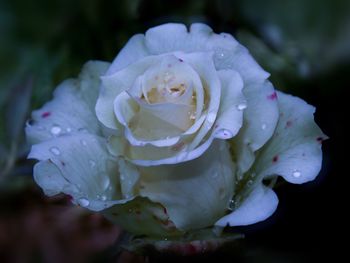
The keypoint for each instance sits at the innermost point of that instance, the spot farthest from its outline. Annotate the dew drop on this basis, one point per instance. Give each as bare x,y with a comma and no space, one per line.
55,150
30,122
103,198
249,183
68,129
167,77
105,182
92,163
83,202
55,130
224,134
241,106
221,55
83,142
232,205
263,126
296,173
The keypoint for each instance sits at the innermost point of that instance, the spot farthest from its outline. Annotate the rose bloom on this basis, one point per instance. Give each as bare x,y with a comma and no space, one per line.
177,134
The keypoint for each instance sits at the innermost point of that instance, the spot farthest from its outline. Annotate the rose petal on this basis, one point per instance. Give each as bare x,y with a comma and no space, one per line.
71,109
140,216
294,151
260,120
260,204
133,51
229,117
204,185
78,165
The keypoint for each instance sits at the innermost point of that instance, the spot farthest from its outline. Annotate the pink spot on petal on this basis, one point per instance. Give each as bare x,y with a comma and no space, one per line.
289,124
45,114
273,96
275,159
178,146
169,65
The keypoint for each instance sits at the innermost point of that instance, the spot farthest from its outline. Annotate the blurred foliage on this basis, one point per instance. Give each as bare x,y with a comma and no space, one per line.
303,44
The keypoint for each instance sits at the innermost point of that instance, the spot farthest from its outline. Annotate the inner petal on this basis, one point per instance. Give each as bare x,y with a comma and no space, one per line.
167,95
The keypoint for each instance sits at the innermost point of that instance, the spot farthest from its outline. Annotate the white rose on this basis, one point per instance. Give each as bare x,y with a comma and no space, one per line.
176,135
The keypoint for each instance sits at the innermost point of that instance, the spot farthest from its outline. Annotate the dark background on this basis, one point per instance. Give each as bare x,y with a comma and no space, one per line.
305,45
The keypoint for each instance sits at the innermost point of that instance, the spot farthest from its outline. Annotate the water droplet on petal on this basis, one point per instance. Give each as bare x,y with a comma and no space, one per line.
92,163
105,182
83,202
68,129
55,130
103,198
224,134
83,142
296,173
263,126
249,183
241,106
232,205
167,77
55,150
30,122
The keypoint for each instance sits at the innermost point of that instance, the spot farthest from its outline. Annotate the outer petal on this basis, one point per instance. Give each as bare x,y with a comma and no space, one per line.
143,217
294,151
72,108
260,120
195,193
133,51
78,165
260,204
229,54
